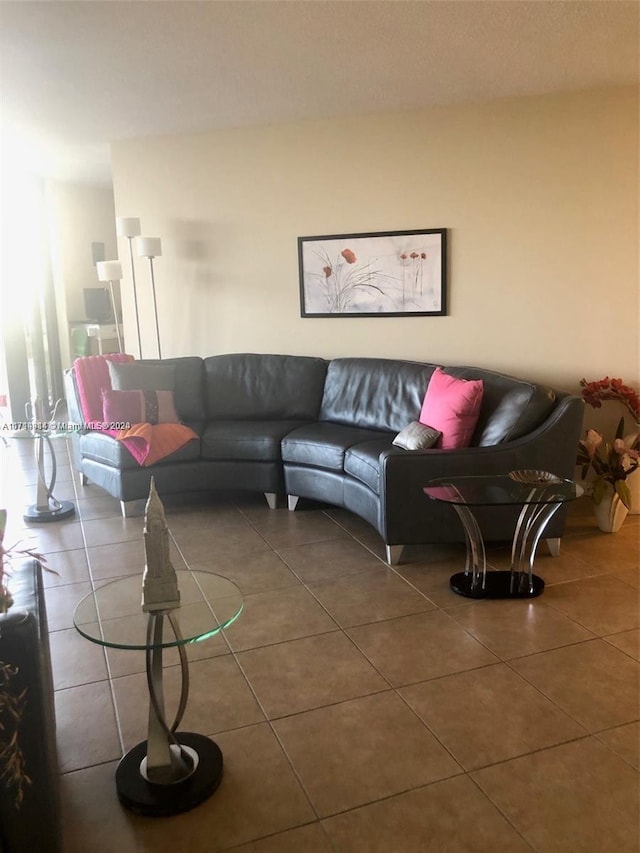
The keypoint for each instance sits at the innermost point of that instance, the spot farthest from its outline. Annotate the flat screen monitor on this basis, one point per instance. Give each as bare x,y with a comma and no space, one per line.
97,305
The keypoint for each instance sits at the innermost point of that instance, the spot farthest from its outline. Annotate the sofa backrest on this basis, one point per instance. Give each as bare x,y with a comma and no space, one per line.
187,385
263,387
385,394
510,407
374,393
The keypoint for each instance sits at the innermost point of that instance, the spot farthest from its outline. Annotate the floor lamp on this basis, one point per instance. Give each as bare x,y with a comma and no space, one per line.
129,227
150,247
111,271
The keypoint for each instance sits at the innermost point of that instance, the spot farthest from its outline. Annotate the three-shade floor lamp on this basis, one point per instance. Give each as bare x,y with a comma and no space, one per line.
111,271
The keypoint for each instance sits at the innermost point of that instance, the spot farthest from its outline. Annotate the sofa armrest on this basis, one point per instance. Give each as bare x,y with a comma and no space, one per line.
404,473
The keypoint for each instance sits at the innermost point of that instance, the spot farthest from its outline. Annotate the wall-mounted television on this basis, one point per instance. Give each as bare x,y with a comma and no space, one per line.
97,305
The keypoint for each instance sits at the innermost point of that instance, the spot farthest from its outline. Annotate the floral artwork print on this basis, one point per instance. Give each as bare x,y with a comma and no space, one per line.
392,273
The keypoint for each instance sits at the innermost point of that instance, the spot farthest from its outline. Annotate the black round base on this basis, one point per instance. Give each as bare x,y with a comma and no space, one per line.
497,585
65,510
146,798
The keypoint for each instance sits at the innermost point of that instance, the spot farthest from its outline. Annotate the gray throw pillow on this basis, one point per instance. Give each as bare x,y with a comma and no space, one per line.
141,377
417,436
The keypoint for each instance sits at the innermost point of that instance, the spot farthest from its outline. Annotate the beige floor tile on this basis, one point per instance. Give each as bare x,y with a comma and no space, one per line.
129,661
307,673
304,839
61,602
230,543
625,741
59,536
489,715
369,597
519,627
606,552
108,531
567,566
432,577
357,527
71,567
630,577
448,817
578,796
325,561
86,730
112,561
219,700
419,647
603,605
259,571
276,616
627,641
92,508
283,529
259,796
362,750
75,660
592,681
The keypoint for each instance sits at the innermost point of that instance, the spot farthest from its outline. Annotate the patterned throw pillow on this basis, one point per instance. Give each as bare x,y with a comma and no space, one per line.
138,407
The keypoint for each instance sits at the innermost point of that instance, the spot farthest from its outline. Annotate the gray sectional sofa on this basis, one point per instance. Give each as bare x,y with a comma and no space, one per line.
323,429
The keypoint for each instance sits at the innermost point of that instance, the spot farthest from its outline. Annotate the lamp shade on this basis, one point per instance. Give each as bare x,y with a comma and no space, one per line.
127,226
148,247
109,270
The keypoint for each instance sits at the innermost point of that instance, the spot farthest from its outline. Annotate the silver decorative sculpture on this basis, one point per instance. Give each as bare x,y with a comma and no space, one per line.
159,581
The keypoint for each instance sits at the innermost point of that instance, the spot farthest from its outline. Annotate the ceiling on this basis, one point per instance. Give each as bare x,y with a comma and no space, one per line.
77,75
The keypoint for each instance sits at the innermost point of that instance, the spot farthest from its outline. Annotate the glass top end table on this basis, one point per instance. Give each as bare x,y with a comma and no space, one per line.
539,494
172,771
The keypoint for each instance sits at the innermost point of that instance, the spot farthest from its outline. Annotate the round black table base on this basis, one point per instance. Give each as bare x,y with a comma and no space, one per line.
145,798
65,510
497,585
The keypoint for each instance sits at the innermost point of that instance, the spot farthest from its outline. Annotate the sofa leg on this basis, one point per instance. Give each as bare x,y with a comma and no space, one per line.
554,547
82,478
131,509
394,553
292,502
272,499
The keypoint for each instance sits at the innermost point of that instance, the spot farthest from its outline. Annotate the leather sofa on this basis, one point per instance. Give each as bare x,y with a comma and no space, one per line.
323,429
35,824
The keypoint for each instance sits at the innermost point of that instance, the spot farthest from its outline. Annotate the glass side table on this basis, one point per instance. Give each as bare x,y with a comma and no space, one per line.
539,501
171,771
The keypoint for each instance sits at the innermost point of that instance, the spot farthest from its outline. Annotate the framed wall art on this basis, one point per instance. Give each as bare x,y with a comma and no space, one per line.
381,274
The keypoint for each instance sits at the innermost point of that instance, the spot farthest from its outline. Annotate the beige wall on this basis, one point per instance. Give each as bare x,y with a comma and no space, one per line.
540,195
79,215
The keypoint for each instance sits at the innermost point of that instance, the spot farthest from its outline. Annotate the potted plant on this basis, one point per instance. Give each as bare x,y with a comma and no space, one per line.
594,394
611,464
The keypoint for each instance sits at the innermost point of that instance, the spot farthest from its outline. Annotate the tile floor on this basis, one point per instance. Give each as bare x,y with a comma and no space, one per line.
359,708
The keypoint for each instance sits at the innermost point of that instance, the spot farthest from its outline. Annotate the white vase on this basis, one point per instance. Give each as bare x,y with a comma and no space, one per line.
610,512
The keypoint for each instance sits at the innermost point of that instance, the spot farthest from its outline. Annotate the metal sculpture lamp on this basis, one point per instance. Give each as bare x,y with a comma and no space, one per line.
150,247
111,271
129,227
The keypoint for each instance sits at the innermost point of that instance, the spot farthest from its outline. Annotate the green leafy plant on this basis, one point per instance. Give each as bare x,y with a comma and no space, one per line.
611,463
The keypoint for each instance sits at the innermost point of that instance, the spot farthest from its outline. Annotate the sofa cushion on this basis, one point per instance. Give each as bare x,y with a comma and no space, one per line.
109,451
374,393
244,440
263,387
452,405
363,461
324,444
510,407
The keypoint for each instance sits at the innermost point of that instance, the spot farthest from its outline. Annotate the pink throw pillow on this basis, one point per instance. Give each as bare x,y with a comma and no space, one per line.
452,406
139,407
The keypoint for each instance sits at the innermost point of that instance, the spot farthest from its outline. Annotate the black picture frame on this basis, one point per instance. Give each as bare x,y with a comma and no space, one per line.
374,274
